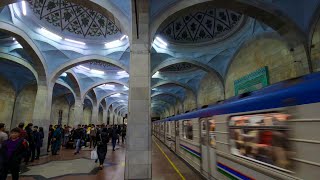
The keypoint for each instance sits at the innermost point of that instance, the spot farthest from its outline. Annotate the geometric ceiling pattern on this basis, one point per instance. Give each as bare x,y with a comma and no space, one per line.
73,18
212,24
178,67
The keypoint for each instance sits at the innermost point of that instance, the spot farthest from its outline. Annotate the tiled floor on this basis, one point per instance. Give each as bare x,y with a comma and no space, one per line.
68,166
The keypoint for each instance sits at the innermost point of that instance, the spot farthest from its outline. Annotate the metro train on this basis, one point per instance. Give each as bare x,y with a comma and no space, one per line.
272,133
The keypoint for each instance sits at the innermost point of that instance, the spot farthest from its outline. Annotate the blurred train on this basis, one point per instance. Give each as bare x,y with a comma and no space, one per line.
272,133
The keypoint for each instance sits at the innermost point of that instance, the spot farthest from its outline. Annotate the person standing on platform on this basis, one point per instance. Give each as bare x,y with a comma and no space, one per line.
56,140
13,150
119,133
40,143
36,138
102,146
51,130
31,142
3,135
23,133
78,135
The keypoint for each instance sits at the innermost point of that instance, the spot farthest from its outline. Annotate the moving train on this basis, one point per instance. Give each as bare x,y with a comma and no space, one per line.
272,133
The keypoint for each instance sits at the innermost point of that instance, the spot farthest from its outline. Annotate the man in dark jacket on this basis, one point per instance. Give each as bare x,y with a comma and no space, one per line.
13,150
36,138
114,136
30,140
78,135
51,130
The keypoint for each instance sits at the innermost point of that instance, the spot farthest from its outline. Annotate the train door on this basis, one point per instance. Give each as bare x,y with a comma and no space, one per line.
177,136
173,135
204,140
212,148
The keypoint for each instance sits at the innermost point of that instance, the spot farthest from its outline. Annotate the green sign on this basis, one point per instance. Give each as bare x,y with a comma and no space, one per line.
252,82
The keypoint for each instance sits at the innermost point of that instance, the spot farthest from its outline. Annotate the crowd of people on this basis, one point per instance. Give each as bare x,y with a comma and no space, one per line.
23,143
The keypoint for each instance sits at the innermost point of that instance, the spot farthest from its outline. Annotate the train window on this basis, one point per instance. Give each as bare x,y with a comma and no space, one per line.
161,126
167,127
262,137
187,129
212,136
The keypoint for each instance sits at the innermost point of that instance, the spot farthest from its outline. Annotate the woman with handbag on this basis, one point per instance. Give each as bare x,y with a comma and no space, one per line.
102,146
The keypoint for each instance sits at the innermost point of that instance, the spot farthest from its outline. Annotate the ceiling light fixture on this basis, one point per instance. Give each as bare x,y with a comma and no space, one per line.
13,39
115,95
49,34
113,44
162,43
24,8
83,67
123,37
155,74
96,71
64,74
74,41
109,85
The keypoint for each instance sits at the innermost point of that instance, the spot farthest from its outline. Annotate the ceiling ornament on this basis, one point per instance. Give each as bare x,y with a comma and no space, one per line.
201,26
178,67
73,18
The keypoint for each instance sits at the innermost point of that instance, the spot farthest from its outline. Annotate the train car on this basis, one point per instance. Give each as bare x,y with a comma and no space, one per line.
267,134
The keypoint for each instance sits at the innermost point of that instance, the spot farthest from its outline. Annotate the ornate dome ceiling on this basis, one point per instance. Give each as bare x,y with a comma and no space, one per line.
178,67
73,19
192,26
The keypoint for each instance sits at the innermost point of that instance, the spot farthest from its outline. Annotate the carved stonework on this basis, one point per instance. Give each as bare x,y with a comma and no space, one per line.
202,26
73,18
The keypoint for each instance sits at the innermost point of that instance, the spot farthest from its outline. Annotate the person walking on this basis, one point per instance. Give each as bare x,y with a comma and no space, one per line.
78,135
93,134
56,140
102,146
118,133
123,133
13,150
114,136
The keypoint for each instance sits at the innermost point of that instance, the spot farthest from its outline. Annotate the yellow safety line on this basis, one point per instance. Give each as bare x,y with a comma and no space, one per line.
174,167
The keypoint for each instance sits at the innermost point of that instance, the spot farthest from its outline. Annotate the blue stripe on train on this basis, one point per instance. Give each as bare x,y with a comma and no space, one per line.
193,151
233,172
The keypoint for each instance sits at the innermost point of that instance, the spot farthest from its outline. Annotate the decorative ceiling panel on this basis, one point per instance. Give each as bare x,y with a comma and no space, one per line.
202,26
178,67
73,18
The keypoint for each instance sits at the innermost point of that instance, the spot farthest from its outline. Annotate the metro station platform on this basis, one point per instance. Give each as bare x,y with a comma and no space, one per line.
65,166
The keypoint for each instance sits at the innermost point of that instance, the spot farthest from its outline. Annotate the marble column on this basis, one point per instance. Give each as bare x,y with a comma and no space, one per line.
104,116
78,112
138,151
42,111
95,114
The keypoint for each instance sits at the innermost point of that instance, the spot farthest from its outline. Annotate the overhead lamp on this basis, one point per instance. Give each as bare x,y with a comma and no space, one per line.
113,44
125,87
155,74
64,74
161,42
49,34
109,86
13,39
83,67
115,95
24,8
96,71
123,37
74,41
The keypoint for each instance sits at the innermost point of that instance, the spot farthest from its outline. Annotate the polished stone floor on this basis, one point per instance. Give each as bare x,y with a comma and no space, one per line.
68,166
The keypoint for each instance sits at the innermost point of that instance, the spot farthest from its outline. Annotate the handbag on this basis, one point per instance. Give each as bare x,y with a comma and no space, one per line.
99,143
94,154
